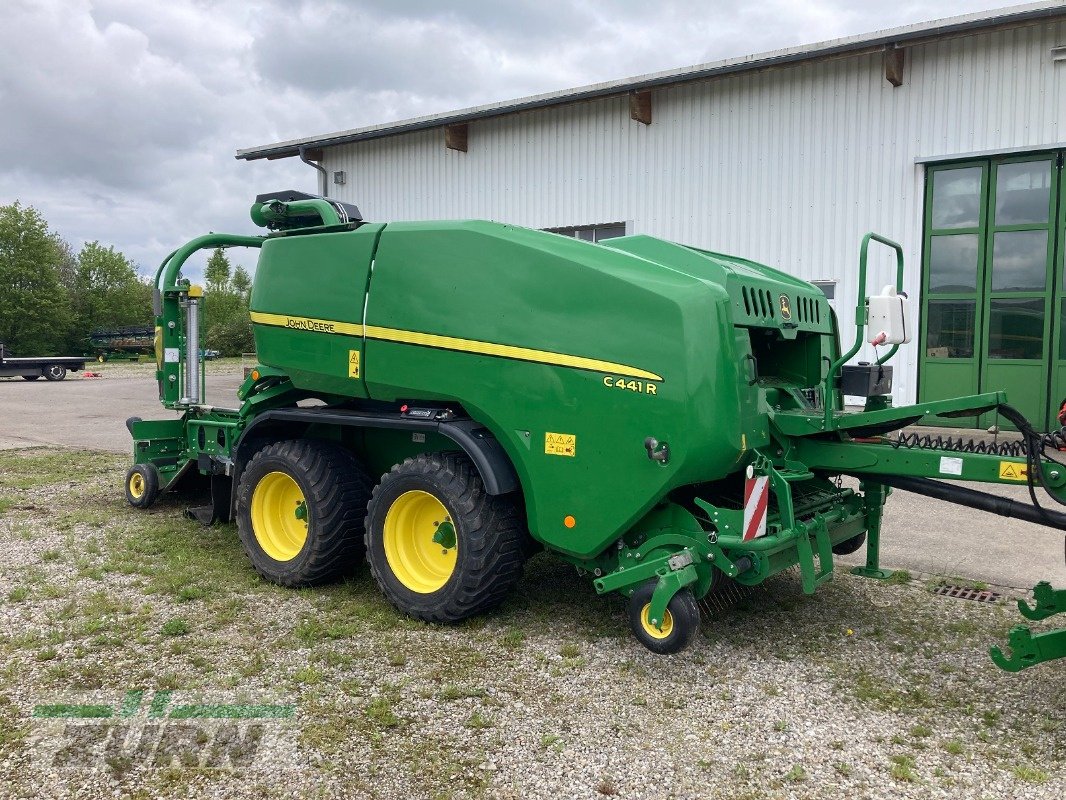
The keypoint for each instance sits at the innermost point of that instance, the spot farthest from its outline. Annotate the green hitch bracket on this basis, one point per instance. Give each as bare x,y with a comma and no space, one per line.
1029,649
1048,602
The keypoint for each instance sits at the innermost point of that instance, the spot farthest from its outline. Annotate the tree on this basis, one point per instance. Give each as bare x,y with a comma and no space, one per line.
242,281
226,307
106,293
33,308
217,271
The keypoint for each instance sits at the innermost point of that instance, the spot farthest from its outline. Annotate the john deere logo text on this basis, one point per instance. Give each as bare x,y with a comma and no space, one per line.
786,309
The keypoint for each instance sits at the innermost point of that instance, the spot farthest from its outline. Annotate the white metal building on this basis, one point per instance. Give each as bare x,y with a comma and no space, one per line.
947,136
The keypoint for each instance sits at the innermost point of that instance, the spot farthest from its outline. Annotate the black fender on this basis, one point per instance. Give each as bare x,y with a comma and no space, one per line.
493,465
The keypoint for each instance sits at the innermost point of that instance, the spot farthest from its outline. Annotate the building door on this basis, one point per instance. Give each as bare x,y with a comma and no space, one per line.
992,297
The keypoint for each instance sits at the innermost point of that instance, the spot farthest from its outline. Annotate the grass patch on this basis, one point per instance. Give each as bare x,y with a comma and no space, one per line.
379,713
902,769
479,721
1030,774
175,627
18,594
797,774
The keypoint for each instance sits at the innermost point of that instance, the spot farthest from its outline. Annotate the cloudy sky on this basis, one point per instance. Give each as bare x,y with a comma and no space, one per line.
119,119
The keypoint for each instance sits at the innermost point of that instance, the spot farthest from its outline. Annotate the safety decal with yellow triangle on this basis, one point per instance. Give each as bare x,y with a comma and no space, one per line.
1012,471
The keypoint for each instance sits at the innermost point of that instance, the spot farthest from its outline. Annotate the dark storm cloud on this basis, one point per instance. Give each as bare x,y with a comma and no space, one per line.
120,117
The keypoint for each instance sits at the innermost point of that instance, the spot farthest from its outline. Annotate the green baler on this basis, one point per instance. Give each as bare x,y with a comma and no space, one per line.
664,418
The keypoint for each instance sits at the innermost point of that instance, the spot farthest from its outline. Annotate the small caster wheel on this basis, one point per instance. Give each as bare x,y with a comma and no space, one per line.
142,485
849,546
680,623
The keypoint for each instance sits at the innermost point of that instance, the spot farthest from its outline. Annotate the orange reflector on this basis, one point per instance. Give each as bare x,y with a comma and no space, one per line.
255,374
569,521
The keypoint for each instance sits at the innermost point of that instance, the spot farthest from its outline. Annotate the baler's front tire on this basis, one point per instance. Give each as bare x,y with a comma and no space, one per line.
440,547
142,485
300,510
680,623
849,546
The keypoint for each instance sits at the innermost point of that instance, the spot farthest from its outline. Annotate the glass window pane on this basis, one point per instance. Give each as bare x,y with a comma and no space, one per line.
1019,261
586,234
957,198
609,232
950,329
953,263
1062,330
1016,329
1023,192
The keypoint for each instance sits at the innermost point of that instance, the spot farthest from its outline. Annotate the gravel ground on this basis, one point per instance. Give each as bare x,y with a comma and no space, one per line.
865,689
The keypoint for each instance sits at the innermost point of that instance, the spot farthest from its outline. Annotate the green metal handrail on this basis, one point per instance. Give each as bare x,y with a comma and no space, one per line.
828,395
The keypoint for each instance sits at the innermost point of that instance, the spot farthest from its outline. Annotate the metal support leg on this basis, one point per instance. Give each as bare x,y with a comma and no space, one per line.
875,495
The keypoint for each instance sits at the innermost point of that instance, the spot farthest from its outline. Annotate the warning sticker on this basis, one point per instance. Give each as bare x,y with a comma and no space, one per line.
353,363
1012,471
560,444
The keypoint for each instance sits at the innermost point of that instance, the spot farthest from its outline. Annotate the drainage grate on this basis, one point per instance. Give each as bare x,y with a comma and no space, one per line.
965,593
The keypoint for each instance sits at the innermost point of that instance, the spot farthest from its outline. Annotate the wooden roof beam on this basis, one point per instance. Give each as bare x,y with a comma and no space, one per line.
456,136
894,61
640,106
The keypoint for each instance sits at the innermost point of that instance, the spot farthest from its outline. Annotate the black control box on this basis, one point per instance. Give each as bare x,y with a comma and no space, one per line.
866,380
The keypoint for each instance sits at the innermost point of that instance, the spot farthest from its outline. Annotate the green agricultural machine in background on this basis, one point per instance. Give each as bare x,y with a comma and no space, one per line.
444,398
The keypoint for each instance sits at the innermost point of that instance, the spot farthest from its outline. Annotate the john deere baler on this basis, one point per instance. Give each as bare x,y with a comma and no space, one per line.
443,398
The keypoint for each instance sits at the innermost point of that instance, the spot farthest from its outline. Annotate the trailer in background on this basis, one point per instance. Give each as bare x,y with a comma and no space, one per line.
51,368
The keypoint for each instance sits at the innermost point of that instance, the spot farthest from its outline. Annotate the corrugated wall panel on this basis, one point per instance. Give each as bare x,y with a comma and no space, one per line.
789,166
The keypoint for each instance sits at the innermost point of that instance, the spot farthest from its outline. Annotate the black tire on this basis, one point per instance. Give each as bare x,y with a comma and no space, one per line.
142,485
334,488
488,538
30,377
54,372
849,546
680,625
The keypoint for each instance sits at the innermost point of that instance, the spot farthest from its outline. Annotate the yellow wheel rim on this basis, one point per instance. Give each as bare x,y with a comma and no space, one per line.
279,516
420,541
136,486
651,630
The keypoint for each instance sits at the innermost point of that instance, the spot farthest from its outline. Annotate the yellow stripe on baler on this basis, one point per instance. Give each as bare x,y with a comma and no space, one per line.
450,343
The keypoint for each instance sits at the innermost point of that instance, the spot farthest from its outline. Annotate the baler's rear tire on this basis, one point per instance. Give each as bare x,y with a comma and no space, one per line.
300,510
680,623
142,485
849,546
55,373
440,547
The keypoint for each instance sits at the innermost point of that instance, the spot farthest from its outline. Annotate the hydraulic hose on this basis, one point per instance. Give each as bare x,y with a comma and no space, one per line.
971,498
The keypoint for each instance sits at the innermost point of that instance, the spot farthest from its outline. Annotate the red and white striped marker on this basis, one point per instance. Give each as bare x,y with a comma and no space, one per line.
756,495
